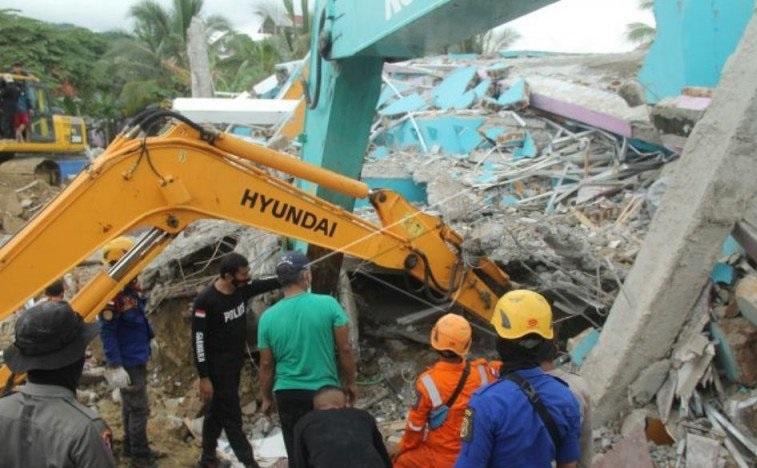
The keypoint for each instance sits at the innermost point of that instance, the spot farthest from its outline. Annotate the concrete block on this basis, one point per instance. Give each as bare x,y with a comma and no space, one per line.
644,388
736,349
746,297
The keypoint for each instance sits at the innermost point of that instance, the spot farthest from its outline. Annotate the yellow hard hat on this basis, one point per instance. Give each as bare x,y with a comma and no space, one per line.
522,312
451,333
115,249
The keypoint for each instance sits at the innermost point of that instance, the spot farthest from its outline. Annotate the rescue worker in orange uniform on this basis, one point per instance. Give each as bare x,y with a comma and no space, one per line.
432,432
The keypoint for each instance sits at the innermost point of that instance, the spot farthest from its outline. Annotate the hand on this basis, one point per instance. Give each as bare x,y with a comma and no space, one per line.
206,389
117,377
266,406
352,392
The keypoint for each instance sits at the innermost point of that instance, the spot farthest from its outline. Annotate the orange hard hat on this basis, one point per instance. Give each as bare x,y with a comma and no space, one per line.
452,333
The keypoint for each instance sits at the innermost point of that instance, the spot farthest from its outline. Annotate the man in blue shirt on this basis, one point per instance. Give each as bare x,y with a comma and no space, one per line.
527,418
126,335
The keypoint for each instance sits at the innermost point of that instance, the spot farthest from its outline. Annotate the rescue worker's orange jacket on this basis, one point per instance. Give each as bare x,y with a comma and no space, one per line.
422,446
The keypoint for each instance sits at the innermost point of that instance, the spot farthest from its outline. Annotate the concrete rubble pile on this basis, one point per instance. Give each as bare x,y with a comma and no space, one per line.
540,163
21,196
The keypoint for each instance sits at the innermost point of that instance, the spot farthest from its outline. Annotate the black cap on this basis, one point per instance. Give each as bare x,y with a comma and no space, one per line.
50,335
290,265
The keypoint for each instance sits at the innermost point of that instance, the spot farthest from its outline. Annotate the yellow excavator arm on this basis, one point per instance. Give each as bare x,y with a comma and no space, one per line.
163,183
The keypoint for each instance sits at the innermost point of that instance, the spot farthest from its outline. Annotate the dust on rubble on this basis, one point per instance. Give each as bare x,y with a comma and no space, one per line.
21,196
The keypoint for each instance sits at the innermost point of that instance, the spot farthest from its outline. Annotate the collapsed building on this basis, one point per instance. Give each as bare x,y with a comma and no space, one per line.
554,167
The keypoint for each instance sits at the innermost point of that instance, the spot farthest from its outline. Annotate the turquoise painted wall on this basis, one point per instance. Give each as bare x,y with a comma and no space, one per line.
694,40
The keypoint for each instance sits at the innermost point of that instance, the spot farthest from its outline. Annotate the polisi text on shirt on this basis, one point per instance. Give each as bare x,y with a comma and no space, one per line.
290,213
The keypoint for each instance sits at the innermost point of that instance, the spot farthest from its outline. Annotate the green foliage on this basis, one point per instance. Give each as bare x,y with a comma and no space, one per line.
489,42
57,54
293,41
640,33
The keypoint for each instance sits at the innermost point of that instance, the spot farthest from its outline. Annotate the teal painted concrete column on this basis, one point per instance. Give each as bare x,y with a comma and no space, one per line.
694,40
336,132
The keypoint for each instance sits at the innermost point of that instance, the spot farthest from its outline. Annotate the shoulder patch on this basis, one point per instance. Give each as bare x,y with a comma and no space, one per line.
199,313
466,428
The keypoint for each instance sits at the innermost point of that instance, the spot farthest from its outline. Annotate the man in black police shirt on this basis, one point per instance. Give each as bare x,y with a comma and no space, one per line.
219,331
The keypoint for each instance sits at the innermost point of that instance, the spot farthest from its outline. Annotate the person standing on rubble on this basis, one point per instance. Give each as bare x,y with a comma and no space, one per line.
301,338
43,424
127,339
219,334
528,417
432,432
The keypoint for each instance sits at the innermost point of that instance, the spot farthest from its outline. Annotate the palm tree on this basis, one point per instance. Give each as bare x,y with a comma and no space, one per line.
164,32
243,62
489,42
641,33
151,63
292,40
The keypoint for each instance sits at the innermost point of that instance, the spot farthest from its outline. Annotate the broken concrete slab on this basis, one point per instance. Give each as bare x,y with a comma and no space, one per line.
453,135
630,452
449,93
515,97
583,345
644,388
708,194
701,451
410,103
736,340
679,115
746,297
528,150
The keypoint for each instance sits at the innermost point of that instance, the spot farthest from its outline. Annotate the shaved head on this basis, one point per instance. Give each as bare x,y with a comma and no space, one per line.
329,398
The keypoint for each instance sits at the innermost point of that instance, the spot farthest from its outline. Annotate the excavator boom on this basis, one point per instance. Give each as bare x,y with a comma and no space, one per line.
164,183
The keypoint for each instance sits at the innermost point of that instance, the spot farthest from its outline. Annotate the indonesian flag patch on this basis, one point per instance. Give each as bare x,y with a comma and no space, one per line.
199,313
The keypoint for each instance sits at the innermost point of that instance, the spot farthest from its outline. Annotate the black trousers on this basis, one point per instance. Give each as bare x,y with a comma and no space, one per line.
135,409
292,405
225,414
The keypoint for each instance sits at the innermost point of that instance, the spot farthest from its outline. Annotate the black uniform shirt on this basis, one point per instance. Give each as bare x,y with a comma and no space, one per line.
339,438
219,325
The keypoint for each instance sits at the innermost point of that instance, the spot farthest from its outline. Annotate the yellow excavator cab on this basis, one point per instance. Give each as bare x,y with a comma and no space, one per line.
52,137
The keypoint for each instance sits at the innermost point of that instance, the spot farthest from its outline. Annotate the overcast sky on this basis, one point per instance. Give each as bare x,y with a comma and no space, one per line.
567,26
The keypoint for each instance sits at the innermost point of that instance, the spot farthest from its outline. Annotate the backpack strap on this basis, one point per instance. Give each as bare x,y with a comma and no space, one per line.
460,385
536,402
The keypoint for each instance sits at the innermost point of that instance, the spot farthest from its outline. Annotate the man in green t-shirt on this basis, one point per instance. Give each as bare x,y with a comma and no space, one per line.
301,339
